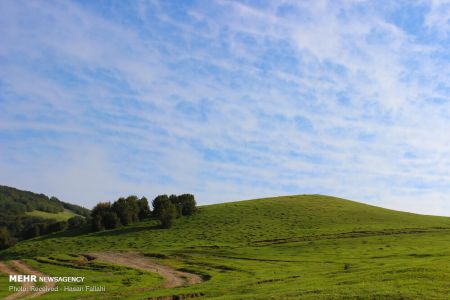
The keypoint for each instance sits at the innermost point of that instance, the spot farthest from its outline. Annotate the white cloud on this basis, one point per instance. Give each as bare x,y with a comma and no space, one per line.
438,17
244,74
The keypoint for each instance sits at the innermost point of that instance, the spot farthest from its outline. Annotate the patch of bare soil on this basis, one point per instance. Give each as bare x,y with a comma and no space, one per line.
20,268
26,269
4,268
172,277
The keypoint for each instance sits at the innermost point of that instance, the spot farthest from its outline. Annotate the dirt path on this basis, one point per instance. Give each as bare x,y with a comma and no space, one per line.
173,278
22,268
4,268
26,269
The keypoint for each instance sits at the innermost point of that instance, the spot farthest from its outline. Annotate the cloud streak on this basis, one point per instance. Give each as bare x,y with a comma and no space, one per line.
227,100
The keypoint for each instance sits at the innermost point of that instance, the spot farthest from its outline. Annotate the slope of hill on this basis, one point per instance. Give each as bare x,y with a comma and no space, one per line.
15,201
20,209
308,246
59,216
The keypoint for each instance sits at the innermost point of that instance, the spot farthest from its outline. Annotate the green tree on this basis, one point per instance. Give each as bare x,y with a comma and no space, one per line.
178,204
158,204
97,223
44,227
5,238
133,206
57,226
168,213
144,209
122,209
188,204
103,217
32,231
111,220
100,209
127,209
76,222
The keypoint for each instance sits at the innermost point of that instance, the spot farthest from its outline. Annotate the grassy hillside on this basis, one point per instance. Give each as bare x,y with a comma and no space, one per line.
19,210
59,216
310,246
16,202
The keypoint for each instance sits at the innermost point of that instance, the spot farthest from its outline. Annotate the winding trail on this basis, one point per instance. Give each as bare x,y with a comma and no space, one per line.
19,268
172,277
4,268
26,269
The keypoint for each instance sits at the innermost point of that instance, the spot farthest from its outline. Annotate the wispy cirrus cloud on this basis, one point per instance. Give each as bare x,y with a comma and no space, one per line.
228,100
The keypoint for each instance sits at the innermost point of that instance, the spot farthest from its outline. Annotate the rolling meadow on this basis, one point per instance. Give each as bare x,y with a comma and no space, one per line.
293,247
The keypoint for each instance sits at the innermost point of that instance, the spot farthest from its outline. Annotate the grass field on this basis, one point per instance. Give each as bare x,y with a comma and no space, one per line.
294,247
61,216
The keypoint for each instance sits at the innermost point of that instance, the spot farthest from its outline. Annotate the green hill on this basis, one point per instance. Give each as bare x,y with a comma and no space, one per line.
16,202
19,210
307,246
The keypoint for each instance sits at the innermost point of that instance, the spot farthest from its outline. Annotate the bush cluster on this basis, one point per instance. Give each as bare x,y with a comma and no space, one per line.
122,212
16,225
105,215
168,208
6,240
48,226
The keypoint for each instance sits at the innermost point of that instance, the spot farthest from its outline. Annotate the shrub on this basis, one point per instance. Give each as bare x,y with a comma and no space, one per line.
188,204
103,217
158,204
5,238
168,214
123,211
133,207
100,209
178,204
144,209
76,222
32,231
127,209
44,227
57,226
110,220
97,223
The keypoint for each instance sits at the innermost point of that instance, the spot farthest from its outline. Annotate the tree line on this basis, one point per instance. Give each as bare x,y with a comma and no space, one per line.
16,224
17,202
33,227
124,211
105,215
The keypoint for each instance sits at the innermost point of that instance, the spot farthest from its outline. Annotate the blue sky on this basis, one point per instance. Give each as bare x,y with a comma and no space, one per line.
228,100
